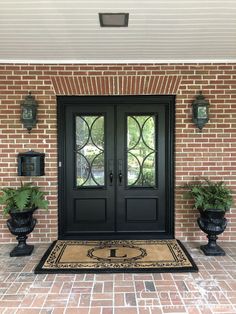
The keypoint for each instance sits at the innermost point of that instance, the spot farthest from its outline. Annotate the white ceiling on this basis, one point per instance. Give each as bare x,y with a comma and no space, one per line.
159,31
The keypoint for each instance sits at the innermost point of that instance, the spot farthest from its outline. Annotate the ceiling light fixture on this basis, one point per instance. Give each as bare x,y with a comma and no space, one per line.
113,19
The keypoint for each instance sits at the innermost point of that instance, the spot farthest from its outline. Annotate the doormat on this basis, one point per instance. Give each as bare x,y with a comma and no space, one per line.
73,256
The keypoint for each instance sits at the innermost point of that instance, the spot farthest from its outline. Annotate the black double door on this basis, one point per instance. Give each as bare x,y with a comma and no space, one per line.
115,167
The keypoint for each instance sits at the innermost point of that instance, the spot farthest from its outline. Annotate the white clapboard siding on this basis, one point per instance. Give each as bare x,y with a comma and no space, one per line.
159,31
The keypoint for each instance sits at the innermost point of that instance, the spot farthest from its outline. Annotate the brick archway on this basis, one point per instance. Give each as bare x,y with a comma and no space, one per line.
116,85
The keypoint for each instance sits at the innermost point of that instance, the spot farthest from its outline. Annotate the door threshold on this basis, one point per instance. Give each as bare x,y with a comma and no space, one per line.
123,236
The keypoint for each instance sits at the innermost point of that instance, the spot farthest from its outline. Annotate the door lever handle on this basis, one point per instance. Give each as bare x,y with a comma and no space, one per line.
120,169
110,171
120,177
111,177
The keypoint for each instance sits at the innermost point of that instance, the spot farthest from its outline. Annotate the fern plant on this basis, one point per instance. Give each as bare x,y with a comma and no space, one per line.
26,197
209,195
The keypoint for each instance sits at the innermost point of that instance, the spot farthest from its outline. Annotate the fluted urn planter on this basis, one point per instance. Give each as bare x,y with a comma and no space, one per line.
212,200
20,203
21,224
213,223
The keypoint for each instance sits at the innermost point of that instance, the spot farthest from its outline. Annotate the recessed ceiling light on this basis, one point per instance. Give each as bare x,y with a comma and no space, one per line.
113,19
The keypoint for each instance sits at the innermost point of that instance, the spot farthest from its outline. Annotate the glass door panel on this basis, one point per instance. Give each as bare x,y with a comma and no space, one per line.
90,169
141,151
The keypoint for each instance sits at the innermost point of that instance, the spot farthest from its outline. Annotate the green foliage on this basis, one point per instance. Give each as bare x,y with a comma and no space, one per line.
25,197
209,195
147,178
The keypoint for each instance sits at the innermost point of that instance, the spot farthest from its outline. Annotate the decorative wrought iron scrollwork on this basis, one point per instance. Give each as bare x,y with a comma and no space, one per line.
141,151
89,151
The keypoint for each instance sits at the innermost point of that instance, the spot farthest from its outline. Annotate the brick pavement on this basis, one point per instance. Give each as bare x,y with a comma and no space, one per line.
211,291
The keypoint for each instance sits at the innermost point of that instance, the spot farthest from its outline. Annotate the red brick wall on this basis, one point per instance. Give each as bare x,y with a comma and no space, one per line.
211,153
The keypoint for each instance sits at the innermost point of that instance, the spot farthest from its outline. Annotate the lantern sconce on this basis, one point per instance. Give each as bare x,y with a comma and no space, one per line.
29,112
200,111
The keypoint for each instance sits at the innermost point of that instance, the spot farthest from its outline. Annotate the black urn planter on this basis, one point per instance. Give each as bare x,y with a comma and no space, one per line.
213,223
21,224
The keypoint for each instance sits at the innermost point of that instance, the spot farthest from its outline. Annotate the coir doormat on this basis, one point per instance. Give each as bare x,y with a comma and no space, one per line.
72,256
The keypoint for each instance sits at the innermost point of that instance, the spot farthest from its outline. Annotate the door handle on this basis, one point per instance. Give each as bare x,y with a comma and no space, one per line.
110,170
120,177
111,177
120,171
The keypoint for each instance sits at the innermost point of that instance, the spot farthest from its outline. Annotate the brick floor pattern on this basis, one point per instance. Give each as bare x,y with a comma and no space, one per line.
210,291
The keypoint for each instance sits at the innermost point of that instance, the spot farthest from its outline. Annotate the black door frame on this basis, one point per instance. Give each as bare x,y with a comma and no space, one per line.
169,102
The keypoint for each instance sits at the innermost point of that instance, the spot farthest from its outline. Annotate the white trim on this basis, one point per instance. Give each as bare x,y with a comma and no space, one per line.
19,61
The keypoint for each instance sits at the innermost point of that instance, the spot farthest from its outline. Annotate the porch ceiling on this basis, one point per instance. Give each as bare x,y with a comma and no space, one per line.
159,31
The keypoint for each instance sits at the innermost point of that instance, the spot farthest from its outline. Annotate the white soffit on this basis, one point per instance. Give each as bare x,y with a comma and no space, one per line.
162,31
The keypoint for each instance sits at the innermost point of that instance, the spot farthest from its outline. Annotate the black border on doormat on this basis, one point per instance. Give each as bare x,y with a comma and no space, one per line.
39,268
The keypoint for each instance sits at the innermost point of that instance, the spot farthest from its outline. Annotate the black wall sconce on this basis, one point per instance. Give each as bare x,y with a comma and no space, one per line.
29,112
200,110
